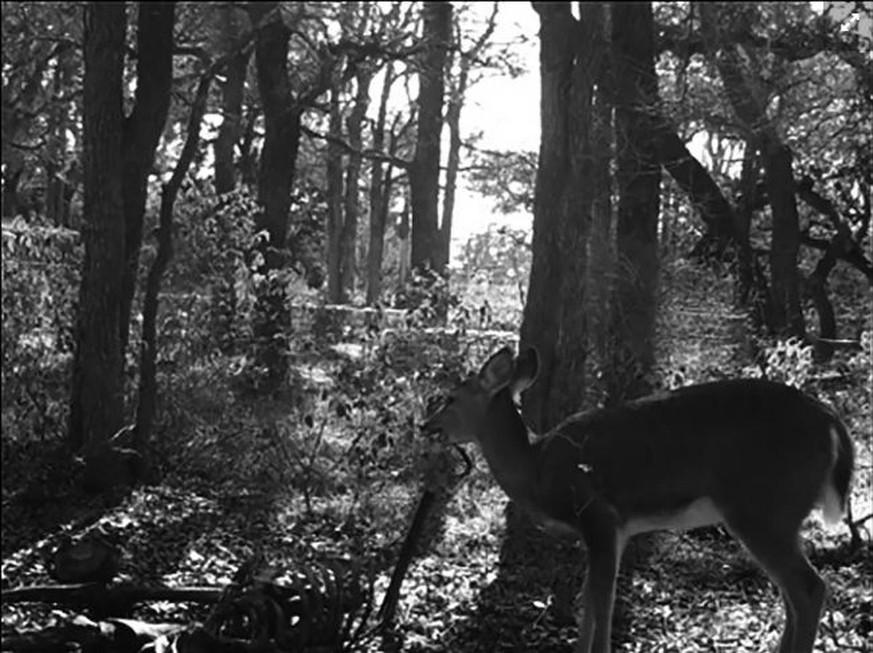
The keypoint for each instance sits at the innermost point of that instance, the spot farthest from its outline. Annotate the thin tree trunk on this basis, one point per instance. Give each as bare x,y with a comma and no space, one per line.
379,196
148,386
334,200
453,121
348,236
232,93
142,130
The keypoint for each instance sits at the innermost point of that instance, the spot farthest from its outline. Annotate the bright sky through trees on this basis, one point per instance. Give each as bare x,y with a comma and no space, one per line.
506,112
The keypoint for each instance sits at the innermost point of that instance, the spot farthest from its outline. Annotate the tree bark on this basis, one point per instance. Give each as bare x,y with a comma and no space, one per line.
148,385
142,130
747,98
97,393
639,178
554,319
601,244
334,199
424,172
348,236
282,117
232,92
715,211
785,243
379,195
282,122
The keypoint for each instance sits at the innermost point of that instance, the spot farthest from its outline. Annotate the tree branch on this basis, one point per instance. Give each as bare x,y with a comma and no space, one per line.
370,154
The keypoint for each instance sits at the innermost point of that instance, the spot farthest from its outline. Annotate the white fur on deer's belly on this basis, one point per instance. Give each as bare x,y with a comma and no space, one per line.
701,512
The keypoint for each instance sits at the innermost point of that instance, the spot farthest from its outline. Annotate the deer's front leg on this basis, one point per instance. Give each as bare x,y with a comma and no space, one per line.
598,593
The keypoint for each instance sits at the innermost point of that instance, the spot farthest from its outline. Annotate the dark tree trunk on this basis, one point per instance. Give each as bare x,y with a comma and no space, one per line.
555,320
566,201
601,243
142,130
841,245
282,121
282,132
694,179
379,196
639,179
334,200
424,173
148,386
785,244
97,393
232,93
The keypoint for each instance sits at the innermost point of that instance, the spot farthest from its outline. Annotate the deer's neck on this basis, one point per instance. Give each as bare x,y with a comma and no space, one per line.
507,448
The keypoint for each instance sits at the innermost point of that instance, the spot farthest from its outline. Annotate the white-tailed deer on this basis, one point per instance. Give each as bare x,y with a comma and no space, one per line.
754,455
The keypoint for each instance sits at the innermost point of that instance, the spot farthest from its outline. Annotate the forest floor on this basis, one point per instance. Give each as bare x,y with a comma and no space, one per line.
487,581
698,591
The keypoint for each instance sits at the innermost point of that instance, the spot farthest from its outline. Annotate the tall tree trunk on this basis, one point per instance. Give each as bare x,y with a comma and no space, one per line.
334,199
282,118
232,92
379,195
601,243
348,237
96,397
424,172
142,130
282,122
639,177
785,244
148,385
554,317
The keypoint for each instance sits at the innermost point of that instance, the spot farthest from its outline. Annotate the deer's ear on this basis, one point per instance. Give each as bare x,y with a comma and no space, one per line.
527,366
497,372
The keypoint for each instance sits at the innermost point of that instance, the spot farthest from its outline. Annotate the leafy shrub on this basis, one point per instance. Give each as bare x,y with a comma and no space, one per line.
41,267
788,361
426,296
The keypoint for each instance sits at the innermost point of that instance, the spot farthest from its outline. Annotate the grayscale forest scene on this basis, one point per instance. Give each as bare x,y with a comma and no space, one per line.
437,327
